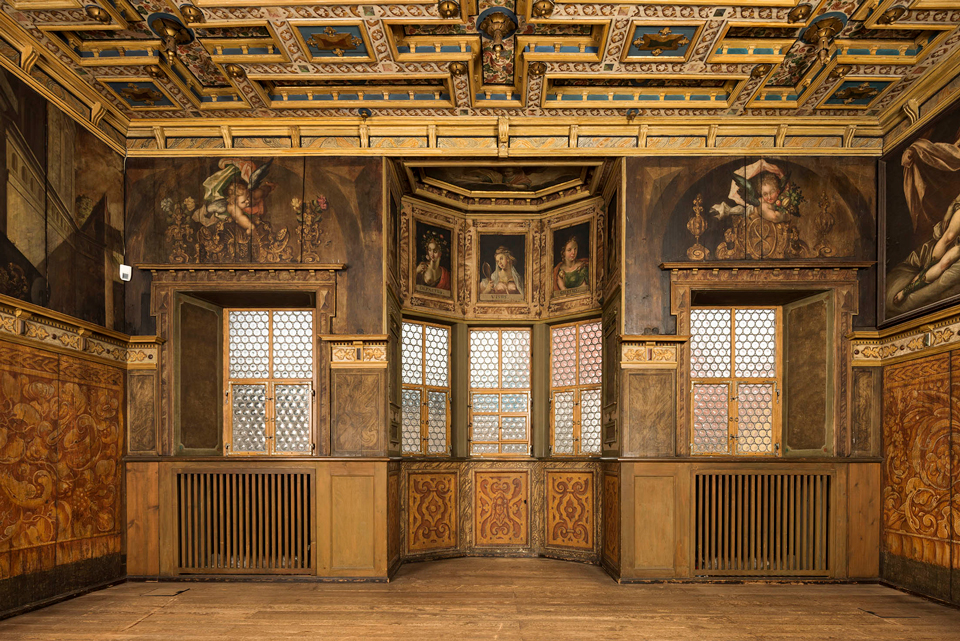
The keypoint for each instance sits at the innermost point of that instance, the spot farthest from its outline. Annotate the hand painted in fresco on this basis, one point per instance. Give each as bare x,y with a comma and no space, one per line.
504,279
778,199
572,272
237,192
430,272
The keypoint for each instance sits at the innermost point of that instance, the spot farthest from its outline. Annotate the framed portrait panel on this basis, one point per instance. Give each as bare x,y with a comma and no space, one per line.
920,221
434,268
502,267
571,268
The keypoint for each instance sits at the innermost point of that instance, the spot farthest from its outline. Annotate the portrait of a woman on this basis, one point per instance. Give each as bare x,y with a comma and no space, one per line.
571,272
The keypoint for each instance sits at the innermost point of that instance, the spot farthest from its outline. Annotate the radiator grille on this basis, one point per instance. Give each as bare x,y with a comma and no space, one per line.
763,524
256,522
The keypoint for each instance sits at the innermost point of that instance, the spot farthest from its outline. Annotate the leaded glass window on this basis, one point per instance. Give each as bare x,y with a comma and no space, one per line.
425,398
269,380
735,376
575,358
499,391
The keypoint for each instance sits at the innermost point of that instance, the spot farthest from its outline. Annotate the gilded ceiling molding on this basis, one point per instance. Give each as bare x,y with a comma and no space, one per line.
930,334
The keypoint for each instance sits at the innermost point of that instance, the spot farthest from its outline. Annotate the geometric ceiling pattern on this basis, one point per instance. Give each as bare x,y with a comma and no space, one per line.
263,58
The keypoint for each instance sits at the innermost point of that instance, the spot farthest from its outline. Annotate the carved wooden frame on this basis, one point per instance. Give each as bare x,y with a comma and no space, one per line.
590,298
840,280
532,231
169,280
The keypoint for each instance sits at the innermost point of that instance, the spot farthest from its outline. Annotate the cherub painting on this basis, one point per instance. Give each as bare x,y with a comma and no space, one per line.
433,260
502,267
762,190
236,192
571,249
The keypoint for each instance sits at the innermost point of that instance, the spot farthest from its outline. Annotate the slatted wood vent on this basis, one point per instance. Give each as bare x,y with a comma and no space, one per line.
771,524
256,522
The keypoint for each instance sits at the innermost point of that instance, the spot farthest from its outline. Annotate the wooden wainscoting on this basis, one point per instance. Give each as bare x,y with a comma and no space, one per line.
325,518
732,518
504,508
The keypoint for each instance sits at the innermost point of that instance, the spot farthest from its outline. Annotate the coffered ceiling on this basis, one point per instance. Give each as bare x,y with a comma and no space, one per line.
253,59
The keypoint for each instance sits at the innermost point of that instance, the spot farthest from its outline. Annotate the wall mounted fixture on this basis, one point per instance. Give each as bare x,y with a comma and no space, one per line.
448,9
821,33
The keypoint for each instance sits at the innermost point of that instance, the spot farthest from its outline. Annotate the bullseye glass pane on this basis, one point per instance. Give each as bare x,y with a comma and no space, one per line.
515,402
590,421
563,423
411,354
513,428
515,448
249,344
292,410
249,410
293,343
436,422
484,448
410,421
486,428
436,354
710,343
486,403
710,419
755,418
516,358
484,358
564,343
590,353
755,332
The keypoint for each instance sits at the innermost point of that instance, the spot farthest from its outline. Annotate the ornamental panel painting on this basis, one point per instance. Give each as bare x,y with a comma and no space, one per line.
434,264
921,195
432,511
502,268
570,510
501,509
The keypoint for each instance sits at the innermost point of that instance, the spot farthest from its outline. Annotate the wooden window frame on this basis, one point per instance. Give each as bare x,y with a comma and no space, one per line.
270,383
733,383
577,390
500,391
424,389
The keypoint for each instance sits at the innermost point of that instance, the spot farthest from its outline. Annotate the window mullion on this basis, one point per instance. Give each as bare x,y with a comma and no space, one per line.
424,400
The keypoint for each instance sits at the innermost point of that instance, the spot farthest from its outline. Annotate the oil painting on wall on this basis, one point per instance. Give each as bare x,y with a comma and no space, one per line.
921,199
260,211
571,260
62,193
761,208
502,267
434,264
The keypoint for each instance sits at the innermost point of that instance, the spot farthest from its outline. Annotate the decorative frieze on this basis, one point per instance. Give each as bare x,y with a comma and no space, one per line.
650,351
358,352
926,336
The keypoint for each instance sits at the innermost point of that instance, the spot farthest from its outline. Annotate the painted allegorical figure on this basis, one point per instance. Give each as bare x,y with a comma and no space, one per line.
931,185
430,271
237,191
571,273
504,279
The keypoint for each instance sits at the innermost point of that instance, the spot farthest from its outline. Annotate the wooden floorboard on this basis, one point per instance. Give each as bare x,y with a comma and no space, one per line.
508,599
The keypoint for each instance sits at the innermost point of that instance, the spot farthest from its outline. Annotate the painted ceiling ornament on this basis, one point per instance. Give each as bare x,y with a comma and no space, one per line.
760,71
799,13
235,71
458,68
863,91
146,95
657,43
839,72
538,68
497,24
332,40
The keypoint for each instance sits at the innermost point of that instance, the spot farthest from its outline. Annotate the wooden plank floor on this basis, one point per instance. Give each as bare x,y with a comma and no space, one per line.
490,599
